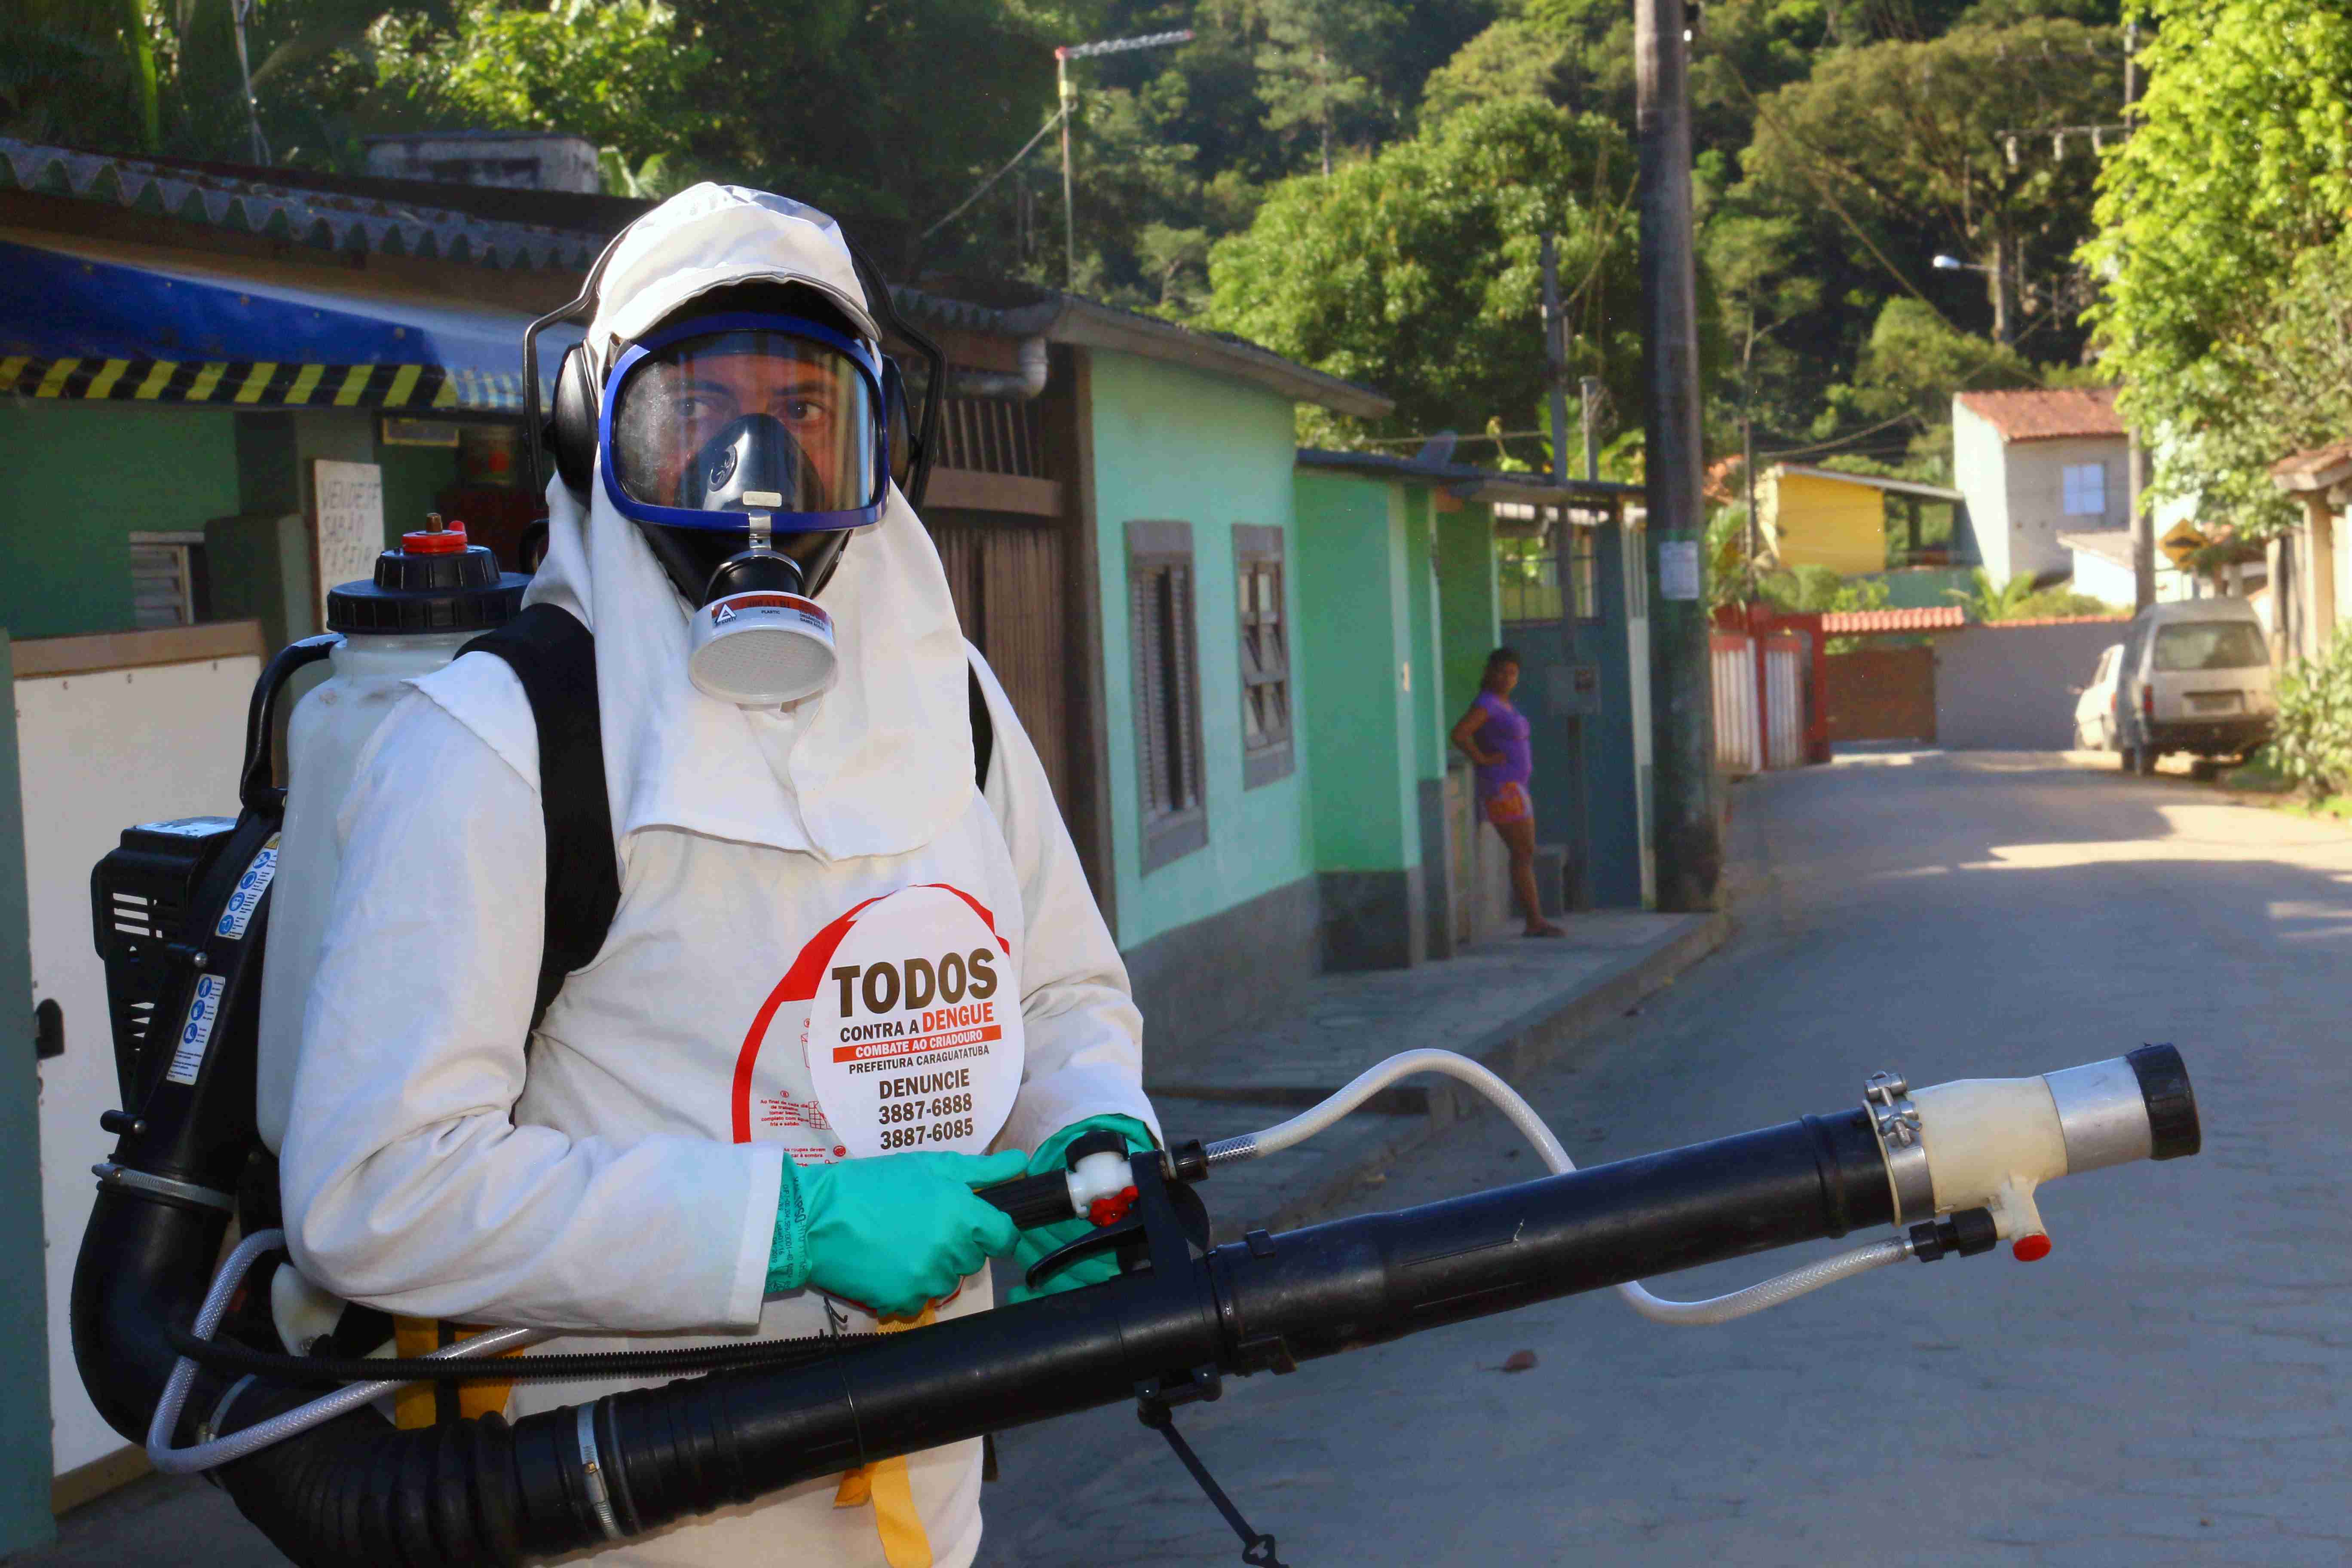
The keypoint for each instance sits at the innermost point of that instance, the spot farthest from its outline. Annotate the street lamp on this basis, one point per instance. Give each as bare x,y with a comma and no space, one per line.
1954,264
1068,97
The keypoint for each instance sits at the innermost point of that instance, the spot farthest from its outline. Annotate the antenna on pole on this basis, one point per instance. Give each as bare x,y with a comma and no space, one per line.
1068,97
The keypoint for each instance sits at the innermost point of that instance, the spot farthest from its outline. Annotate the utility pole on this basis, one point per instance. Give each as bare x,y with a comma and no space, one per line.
1067,100
1748,472
1068,97
1689,844
239,11
1556,360
1589,390
2136,457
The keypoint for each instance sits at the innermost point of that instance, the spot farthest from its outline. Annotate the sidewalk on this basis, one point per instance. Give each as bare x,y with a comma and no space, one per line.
1511,1004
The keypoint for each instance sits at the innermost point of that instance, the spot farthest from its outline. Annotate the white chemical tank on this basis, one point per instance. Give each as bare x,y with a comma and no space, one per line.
430,598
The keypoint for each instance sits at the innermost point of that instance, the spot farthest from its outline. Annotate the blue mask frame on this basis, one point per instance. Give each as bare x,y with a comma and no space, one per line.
881,385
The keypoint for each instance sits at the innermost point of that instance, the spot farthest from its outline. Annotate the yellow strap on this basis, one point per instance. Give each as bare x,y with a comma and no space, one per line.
886,1484
416,1404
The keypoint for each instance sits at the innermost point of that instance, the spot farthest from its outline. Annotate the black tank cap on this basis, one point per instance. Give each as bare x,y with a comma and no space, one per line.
2172,1124
440,591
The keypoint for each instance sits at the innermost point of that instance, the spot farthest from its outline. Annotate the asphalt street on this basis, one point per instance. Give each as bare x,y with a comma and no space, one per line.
2167,1387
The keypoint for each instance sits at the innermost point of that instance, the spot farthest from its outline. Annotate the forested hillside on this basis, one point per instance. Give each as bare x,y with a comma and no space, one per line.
1362,184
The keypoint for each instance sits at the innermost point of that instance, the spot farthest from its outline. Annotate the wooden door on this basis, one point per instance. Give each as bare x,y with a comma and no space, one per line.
1007,576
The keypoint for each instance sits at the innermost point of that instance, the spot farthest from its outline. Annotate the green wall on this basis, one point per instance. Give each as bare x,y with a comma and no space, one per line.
24,1296
1176,444
1470,606
80,481
413,477
1429,719
1355,640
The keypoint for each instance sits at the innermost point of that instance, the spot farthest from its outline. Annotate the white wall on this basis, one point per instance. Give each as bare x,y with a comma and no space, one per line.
2036,494
97,754
2017,493
2102,579
1981,473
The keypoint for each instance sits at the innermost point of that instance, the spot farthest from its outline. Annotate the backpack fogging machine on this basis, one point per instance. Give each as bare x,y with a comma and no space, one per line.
202,1377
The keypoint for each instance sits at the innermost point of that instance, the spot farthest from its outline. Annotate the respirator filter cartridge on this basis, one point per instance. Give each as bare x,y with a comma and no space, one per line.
761,648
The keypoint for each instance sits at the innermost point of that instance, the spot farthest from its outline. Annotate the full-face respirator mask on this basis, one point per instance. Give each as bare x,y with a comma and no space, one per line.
747,436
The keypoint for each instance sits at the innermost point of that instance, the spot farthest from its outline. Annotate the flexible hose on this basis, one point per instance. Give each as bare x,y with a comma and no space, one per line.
237,1445
1657,1308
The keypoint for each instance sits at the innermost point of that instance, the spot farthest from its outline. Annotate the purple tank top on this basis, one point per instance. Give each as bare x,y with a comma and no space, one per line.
1505,732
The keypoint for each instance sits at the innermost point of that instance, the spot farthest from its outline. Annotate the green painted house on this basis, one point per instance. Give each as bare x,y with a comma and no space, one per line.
1239,661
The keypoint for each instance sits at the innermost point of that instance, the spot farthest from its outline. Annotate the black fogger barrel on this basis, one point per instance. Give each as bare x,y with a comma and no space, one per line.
359,1493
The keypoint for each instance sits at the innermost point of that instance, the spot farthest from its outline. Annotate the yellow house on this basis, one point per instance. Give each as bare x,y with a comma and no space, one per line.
1820,516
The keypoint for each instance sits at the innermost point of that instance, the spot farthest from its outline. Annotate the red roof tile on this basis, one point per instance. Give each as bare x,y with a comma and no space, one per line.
2047,414
2313,470
1851,623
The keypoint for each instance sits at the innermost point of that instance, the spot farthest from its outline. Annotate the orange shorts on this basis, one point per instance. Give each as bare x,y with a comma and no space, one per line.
1510,804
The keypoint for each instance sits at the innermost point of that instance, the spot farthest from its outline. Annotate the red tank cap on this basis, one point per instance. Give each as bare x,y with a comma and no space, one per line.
448,541
2030,1248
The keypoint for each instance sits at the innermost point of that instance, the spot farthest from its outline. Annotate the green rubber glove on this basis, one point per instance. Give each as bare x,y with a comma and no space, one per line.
893,1232
1034,1245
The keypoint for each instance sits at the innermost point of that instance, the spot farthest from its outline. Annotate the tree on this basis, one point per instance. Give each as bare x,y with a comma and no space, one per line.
1989,602
162,76
1310,74
1419,269
619,72
1908,371
1911,135
2222,228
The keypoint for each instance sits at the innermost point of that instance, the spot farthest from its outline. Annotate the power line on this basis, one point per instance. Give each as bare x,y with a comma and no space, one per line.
985,184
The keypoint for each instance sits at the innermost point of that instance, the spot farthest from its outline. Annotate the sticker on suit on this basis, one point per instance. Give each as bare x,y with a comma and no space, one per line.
903,1018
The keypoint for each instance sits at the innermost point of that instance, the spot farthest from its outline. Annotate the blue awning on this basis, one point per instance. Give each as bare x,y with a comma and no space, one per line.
88,327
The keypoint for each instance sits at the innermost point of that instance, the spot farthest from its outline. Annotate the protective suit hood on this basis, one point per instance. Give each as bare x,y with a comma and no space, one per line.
881,764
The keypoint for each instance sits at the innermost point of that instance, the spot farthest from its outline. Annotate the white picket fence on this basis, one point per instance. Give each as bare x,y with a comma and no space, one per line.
1747,741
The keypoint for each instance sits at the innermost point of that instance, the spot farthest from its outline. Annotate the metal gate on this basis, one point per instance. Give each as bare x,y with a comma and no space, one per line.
1883,694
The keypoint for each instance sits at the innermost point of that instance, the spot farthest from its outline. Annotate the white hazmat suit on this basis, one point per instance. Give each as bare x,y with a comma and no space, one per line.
619,1174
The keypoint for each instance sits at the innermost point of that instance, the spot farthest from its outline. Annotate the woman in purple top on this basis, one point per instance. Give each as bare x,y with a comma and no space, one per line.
1493,734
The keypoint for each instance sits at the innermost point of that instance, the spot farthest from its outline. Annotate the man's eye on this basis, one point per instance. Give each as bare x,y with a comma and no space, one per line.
804,408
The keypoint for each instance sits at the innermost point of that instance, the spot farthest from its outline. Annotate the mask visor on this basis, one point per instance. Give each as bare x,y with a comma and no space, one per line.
739,416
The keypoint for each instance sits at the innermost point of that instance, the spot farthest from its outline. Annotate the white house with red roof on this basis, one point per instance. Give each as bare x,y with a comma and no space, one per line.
2036,464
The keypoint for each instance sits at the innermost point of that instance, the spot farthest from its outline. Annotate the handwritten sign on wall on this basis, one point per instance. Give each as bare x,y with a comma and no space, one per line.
350,530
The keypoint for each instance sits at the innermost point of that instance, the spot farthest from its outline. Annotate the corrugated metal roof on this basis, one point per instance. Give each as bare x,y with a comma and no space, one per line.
1466,479
282,208
1853,623
1873,482
2047,414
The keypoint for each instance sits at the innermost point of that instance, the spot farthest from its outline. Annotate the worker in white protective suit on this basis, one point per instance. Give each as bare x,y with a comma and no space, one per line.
820,915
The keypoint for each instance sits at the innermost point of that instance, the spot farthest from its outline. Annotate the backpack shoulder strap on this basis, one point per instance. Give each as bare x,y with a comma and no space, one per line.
554,657
983,730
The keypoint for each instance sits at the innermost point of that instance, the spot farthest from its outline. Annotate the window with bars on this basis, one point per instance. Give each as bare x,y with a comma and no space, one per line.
1527,563
1161,632
168,587
1583,569
1265,654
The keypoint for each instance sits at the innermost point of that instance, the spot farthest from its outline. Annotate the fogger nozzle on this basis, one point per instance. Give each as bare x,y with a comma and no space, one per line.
1989,1142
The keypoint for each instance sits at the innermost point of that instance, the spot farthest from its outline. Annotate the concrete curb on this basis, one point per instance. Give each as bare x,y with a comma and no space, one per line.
1320,1173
